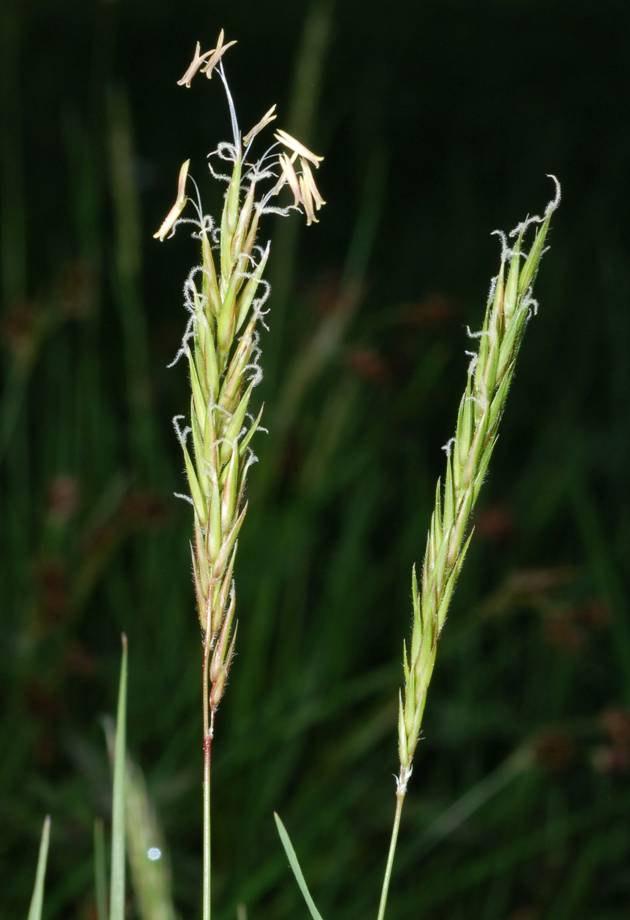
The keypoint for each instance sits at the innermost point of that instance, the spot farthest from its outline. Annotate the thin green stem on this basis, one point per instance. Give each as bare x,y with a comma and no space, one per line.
207,763
400,799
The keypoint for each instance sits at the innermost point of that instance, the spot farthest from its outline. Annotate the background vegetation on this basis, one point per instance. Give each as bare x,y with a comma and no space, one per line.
439,121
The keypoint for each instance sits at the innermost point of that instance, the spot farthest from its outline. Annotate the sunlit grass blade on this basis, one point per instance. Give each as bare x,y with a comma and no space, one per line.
117,880
35,910
100,871
295,867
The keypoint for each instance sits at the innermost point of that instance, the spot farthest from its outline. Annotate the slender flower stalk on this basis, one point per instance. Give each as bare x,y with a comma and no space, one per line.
224,296
490,372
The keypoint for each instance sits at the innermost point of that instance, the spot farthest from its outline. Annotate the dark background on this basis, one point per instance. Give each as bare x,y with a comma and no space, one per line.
439,121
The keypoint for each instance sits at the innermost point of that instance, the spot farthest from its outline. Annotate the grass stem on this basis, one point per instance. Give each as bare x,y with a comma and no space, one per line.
400,800
207,764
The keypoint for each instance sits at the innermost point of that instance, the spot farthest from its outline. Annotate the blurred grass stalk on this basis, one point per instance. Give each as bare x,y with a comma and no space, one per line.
100,870
117,879
510,305
306,89
127,278
12,213
12,210
145,847
150,871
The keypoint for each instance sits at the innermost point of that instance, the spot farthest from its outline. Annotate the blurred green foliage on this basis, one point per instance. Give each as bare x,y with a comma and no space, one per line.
439,121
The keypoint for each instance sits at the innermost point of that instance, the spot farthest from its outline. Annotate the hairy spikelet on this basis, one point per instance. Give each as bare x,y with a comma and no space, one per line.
490,372
224,296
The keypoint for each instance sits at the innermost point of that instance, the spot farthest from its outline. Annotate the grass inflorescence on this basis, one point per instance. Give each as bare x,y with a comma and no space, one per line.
468,453
510,306
225,297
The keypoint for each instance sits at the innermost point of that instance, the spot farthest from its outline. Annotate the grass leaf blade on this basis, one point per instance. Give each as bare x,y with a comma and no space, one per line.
295,867
117,880
37,900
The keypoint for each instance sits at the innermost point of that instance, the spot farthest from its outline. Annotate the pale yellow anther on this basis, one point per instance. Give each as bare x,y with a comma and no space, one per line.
294,145
309,181
180,203
290,177
197,62
267,118
216,54
307,201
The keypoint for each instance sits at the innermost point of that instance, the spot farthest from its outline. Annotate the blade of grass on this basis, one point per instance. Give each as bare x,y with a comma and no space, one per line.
35,910
117,881
295,867
100,871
